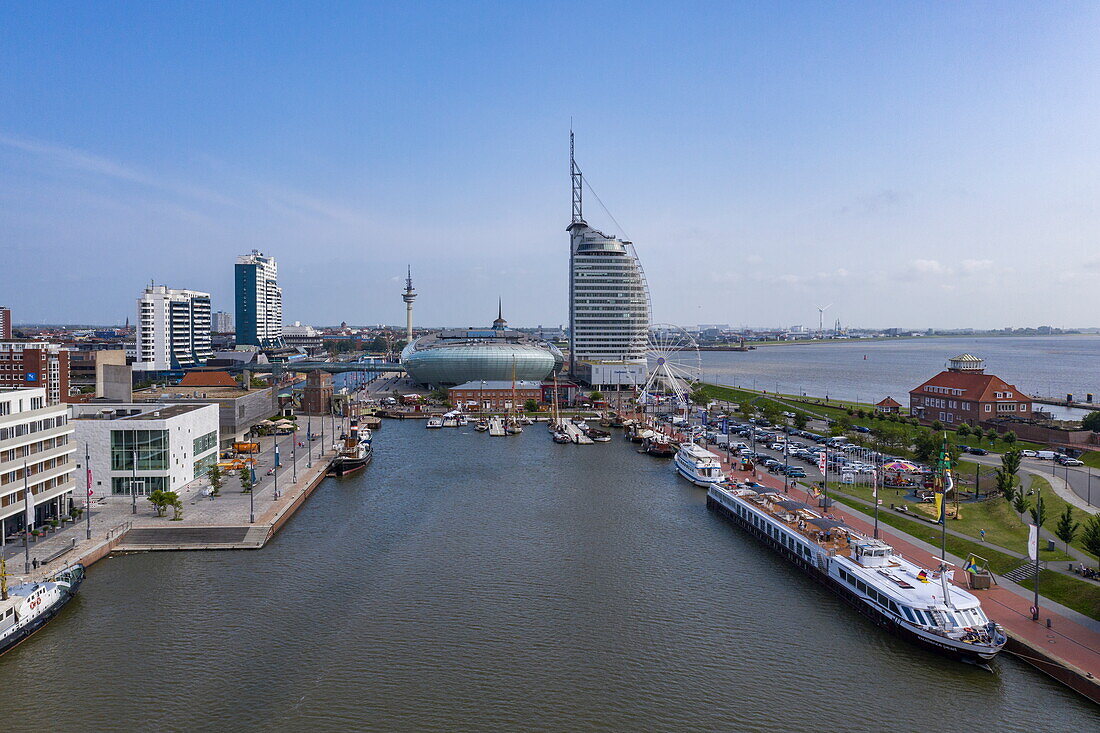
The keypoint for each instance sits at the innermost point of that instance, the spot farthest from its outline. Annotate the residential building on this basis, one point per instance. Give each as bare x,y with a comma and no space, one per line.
223,322
494,396
173,444
173,329
5,324
964,393
35,364
36,449
259,301
608,300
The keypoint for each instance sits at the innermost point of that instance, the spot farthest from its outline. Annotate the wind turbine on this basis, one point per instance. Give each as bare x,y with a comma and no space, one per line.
821,320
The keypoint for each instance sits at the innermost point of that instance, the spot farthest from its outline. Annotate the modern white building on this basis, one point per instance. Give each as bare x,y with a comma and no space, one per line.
174,444
35,438
608,301
259,299
173,329
306,338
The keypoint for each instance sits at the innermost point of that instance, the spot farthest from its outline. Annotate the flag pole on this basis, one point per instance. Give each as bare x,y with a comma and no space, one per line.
28,507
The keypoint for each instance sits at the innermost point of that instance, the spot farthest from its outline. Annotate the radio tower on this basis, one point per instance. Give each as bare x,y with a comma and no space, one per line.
577,181
409,296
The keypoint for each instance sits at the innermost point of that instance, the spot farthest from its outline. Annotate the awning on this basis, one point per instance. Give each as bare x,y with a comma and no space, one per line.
792,505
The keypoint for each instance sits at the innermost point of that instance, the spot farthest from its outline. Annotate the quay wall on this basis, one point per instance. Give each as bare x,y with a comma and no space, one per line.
1070,676
290,509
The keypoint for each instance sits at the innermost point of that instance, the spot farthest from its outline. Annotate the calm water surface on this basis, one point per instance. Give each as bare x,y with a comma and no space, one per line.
471,583
1043,366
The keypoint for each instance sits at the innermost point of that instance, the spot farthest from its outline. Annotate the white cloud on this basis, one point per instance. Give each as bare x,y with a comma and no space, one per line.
929,267
972,266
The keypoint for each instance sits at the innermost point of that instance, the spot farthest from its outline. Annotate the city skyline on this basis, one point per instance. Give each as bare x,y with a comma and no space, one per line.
912,167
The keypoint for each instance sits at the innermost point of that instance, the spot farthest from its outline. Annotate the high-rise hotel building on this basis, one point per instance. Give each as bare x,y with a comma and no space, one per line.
608,302
173,329
259,301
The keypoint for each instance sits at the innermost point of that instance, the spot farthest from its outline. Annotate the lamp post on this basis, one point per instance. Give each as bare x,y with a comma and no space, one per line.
275,468
294,453
133,477
88,493
309,437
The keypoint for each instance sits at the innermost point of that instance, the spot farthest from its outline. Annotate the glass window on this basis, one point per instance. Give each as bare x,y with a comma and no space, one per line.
144,484
908,614
203,465
151,447
205,442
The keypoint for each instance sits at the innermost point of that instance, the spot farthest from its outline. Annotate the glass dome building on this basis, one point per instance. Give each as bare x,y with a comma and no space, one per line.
453,357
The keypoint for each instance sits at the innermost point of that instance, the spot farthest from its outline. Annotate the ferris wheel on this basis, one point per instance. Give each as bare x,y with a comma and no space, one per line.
674,367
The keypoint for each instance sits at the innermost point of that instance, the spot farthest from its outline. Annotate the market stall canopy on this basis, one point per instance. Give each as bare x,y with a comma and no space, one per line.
901,466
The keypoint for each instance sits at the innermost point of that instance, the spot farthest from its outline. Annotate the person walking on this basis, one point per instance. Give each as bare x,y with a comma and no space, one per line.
982,533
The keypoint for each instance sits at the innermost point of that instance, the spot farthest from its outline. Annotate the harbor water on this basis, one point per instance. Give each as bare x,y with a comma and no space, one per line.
464,582
867,371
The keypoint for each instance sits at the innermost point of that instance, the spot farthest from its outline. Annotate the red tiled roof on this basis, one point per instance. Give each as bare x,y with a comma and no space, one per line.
888,402
208,379
976,386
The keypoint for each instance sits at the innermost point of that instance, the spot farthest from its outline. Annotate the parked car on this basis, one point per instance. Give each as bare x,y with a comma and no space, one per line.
1028,453
796,472
979,452
1046,455
1067,461
862,429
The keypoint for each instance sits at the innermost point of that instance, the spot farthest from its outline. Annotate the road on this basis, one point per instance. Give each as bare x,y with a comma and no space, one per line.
1081,481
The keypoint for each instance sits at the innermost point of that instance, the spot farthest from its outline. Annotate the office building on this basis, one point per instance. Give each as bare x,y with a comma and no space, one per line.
305,338
5,323
608,301
38,436
35,364
259,301
174,444
223,322
173,329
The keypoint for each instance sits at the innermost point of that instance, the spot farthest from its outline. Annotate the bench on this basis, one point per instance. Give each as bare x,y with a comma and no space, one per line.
60,552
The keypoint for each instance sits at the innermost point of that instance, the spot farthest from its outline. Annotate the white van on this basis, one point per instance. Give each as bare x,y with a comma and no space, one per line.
1046,455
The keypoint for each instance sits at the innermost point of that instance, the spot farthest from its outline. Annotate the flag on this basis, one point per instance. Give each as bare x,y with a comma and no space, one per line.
939,507
874,482
276,456
821,462
27,503
971,564
1033,542
922,576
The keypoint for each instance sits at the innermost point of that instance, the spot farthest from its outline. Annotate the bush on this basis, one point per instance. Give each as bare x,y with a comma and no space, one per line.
963,430
1091,422
1009,438
937,425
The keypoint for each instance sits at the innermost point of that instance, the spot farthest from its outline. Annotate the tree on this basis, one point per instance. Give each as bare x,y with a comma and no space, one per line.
800,420
172,499
531,406
699,397
245,475
1066,528
937,426
1020,503
1091,422
992,435
1006,484
159,501
963,430
1039,513
771,411
1090,538
217,479
1009,438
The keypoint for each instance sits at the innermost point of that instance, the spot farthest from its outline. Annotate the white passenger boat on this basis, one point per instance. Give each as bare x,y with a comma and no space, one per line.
919,604
434,422
697,465
27,607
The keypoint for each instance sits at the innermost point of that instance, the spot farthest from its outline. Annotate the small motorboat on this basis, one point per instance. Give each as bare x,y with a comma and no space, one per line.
434,422
481,426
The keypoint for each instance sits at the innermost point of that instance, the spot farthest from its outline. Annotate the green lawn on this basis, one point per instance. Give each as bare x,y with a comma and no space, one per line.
1082,596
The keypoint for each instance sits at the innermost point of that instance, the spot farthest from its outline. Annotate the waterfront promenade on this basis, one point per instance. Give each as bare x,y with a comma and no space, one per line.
233,520
1063,643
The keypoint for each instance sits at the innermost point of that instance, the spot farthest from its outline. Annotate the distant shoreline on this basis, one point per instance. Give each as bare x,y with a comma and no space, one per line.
879,339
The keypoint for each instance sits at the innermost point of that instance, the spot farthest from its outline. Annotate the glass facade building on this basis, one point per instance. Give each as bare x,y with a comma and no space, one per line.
259,301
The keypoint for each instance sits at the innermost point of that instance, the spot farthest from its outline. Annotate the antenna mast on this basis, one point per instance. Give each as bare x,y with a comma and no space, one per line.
577,180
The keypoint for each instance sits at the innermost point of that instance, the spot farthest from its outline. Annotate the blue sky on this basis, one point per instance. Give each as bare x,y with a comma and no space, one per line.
920,164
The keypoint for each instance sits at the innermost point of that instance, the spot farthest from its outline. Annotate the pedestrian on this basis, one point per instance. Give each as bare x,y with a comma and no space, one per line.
982,533
34,562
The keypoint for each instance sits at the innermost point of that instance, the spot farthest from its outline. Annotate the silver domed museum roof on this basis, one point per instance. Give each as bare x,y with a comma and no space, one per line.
457,356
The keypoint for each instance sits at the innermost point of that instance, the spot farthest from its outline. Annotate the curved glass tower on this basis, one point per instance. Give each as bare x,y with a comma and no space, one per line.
608,301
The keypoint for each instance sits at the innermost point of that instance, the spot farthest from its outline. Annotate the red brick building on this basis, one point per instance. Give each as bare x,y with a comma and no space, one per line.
317,395
493,396
35,364
964,393
888,405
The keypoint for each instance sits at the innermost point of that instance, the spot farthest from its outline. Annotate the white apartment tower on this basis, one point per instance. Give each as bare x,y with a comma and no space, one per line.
173,329
259,301
608,301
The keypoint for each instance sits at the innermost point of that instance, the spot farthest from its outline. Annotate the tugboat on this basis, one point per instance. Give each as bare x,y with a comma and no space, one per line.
25,608
660,446
355,453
